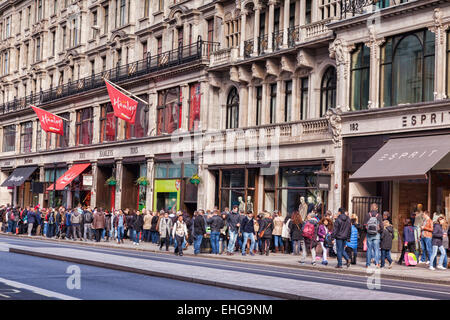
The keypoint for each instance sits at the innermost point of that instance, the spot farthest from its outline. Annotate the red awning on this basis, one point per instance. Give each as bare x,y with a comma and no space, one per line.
67,177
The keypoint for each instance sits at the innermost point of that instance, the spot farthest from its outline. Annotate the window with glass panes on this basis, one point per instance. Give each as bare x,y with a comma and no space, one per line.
407,68
9,138
288,101
328,90
232,109
26,136
105,19
304,98
360,74
169,110
140,127
258,105
108,123
62,141
84,126
273,102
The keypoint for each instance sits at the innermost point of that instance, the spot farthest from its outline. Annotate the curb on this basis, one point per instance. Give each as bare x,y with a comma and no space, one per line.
269,263
277,294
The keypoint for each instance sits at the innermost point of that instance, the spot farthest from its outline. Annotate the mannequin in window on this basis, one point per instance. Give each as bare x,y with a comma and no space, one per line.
311,204
249,204
319,207
303,208
241,204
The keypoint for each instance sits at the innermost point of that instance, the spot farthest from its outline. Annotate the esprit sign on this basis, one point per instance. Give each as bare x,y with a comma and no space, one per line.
426,119
407,155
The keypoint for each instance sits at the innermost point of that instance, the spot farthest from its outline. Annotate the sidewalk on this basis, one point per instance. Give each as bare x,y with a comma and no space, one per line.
420,273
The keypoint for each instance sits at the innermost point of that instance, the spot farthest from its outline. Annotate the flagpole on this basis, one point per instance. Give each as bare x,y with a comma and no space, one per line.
127,92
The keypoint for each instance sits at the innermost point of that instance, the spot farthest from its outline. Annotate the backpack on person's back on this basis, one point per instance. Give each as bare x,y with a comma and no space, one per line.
373,225
308,230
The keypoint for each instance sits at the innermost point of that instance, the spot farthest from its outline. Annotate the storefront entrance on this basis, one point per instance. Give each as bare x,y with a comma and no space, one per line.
167,195
105,192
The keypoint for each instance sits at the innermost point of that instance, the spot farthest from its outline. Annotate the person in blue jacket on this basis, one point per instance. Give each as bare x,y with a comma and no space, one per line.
352,245
409,242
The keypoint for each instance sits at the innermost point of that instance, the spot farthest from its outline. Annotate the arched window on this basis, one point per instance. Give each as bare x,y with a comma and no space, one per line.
328,90
233,109
407,69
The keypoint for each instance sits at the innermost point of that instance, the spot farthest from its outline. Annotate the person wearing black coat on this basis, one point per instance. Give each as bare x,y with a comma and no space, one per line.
266,226
437,242
153,232
199,231
296,227
387,235
342,233
137,224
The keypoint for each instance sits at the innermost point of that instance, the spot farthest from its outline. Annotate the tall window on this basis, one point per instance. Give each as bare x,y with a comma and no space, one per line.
8,27
64,42
160,5
84,124
108,123
273,102
211,30
39,10
159,45
53,42
9,138
55,6
233,109
122,12
308,12
258,105
29,16
140,127
38,49
194,106
62,141
180,32
360,70
105,19
26,136
328,91
304,98
146,8
407,69
448,63
232,32
169,110
288,101
94,24
39,138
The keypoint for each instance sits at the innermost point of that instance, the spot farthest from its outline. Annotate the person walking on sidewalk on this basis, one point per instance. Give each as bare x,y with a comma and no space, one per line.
352,245
286,234
309,234
341,234
120,224
138,223
165,229
98,224
248,231
233,228
295,227
179,232
31,218
387,236
409,240
426,238
278,221
199,231
154,228
75,220
88,218
373,222
265,233
216,223
437,239
147,225
324,235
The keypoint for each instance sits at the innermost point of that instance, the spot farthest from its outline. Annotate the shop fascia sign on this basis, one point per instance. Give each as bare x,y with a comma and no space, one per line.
406,122
87,180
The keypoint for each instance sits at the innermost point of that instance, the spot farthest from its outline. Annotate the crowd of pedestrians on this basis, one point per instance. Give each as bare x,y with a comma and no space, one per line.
234,231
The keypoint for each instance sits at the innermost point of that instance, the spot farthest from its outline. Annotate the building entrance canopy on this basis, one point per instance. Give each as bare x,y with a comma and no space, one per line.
68,177
18,177
404,159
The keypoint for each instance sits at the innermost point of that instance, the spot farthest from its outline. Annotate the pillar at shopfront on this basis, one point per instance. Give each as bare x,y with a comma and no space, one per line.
41,179
207,186
94,184
149,194
117,202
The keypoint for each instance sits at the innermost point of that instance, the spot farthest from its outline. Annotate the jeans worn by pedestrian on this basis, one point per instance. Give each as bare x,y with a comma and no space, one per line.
385,254
76,231
373,249
296,247
87,231
251,236
155,236
120,233
278,241
215,241
30,229
340,246
146,235
434,254
232,241
197,243
425,243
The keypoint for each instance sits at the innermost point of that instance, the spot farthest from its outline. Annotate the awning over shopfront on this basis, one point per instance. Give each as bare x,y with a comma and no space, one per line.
68,177
404,159
18,177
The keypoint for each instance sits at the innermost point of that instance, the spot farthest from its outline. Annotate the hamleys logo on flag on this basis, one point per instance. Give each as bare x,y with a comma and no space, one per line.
124,107
49,121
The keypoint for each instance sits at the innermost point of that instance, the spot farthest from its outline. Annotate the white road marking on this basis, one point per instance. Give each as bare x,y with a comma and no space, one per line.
40,291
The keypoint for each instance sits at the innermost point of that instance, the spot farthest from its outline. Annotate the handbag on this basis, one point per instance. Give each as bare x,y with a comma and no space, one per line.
261,234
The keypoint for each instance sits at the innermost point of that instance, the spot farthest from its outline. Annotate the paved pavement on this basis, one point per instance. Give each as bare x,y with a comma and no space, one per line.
419,273
284,282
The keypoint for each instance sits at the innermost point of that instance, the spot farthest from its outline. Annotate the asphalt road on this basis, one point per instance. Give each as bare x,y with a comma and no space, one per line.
39,275
99,277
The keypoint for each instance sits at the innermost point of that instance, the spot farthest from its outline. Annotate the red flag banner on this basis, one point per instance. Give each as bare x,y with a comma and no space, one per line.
49,121
124,107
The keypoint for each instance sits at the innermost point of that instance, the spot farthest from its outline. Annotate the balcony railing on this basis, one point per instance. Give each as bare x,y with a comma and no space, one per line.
194,52
263,44
351,8
248,48
301,131
277,42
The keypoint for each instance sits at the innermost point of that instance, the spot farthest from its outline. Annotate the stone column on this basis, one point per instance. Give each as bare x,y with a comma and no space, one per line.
94,184
72,128
96,124
149,193
251,106
271,22
118,199
265,112
41,179
204,105
295,111
341,53
256,30
35,133
185,107
374,84
207,186
334,119
152,113
279,110
286,23
243,27
243,103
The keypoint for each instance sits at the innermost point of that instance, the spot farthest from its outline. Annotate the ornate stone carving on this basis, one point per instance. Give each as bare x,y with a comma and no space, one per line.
234,74
438,28
272,67
287,64
257,71
304,59
334,118
244,74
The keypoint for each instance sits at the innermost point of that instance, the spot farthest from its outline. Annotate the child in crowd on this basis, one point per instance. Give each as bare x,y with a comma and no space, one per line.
386,243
